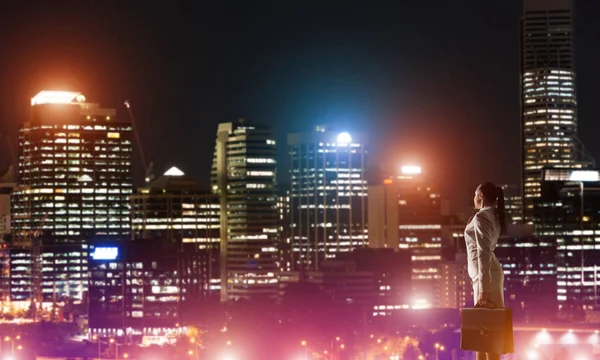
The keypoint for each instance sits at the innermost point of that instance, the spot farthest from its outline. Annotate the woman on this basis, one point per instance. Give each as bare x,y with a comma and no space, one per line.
481,237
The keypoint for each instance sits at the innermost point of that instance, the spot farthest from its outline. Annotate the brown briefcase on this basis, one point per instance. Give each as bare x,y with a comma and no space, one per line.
487,330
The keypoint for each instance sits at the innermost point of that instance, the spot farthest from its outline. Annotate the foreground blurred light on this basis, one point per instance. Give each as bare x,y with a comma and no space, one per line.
344,138
568,338
57,97
543,337
532,355
421,304
411,169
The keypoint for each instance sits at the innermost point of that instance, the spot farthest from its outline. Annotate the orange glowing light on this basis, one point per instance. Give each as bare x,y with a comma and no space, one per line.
57,97
387,181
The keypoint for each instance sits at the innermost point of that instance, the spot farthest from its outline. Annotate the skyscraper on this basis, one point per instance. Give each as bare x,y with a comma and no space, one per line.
244,177
548,93
328,195
74,182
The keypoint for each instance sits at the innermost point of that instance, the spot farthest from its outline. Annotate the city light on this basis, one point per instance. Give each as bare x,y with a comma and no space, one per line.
344,138
173,171
57,97
543,337
584,175
105,253
568,338
532,355
411,170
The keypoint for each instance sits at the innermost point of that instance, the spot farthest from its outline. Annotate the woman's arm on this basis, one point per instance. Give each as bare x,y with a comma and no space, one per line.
483,237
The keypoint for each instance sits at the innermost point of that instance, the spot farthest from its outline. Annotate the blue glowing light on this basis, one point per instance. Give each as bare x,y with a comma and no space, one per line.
105,253
344,138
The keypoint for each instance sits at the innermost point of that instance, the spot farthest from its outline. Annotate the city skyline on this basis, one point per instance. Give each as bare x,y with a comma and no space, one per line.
330,80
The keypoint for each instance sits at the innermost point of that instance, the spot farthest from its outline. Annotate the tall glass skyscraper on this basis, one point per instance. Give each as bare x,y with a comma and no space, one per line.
548,93
244,177
73,187
328,195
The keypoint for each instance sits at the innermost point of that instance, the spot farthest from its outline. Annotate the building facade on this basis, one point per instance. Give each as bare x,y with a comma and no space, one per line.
135,289
244,178
328,195
175,209
548,93
74,180
568,211
530,276
406,214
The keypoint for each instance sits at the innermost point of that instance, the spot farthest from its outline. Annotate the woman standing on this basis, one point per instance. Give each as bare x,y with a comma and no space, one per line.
481,237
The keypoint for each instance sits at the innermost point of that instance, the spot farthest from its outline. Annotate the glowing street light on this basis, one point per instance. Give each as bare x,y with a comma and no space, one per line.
303,343
438,347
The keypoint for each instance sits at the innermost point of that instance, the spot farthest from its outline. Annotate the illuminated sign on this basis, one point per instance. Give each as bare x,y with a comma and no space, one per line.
344,138
584,175
410,169
105,253
57,97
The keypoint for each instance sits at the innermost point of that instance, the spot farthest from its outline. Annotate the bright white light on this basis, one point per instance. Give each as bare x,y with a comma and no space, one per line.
57,97
543,337
581,358
344,138
421,304
568,338
174,171
411,169
584,175
105,253
532,355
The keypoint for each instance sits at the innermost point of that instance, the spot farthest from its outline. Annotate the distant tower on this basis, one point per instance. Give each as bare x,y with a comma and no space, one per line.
244,177
548,93
328,195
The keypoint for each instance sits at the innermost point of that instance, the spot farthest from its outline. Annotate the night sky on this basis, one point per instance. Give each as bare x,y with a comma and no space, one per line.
433,82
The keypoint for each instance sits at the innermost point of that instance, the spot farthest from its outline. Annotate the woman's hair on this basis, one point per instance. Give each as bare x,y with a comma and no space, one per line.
491,194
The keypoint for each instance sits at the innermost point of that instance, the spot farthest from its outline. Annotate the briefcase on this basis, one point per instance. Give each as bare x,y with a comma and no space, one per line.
487,330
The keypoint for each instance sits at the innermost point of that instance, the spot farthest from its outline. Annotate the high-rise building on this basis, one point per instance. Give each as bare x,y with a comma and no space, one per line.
405,213
568,210
548,94
74,181
244,177
455,289
513,204
174,209
529,264
328,195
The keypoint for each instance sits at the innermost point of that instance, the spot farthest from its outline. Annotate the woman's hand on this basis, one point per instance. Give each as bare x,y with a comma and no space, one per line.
483,302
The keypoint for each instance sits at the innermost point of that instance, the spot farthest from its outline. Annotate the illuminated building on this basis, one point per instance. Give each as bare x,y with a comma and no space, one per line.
377,278
74,181
134,288
244,178
405,214
7,184
328,195
175,209
568,210
513,204
529,264
548,95
285,248
455,290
